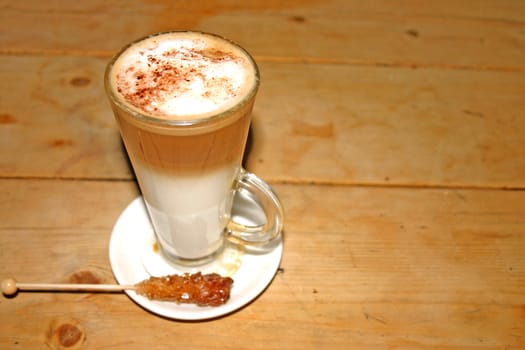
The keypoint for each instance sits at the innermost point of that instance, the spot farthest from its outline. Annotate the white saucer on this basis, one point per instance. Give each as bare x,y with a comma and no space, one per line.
134,257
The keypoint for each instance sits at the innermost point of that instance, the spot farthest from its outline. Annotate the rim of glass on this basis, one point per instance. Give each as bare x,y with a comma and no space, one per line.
197,122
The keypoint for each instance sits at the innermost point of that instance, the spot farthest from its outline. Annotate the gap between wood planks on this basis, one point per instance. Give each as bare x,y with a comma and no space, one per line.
299,182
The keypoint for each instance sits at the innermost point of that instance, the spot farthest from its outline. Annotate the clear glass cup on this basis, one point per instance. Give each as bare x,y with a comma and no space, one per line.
189,168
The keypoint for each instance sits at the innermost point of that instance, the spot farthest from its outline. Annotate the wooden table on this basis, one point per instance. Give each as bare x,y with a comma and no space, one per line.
393,131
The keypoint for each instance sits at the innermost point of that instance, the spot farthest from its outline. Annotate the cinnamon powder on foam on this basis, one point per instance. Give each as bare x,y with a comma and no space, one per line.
182,78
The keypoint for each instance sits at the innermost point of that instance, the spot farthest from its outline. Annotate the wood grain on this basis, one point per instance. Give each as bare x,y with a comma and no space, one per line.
371,267
393,132
471,35
338,124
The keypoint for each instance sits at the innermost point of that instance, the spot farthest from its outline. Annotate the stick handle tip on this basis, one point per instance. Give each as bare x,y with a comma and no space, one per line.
9,287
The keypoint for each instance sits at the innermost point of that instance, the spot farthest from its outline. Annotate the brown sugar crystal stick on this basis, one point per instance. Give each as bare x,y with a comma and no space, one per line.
200,289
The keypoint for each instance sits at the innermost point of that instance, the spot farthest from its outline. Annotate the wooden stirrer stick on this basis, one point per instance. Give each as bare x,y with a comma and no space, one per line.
10,287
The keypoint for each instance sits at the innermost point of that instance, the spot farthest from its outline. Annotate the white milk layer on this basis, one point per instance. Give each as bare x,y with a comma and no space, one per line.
195,209
176,75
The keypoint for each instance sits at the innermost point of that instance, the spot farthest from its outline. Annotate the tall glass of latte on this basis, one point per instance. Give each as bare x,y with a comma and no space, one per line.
183,101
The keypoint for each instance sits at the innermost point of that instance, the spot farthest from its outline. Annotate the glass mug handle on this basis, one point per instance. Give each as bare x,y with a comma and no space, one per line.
252,187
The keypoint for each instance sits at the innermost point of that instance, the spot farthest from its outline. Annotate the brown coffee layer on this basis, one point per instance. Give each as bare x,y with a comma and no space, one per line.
186,154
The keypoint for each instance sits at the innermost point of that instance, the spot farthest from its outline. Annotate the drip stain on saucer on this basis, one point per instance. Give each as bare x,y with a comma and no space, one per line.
227,263
230,260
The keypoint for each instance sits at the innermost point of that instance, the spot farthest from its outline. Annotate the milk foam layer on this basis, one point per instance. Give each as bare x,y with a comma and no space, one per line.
183,75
